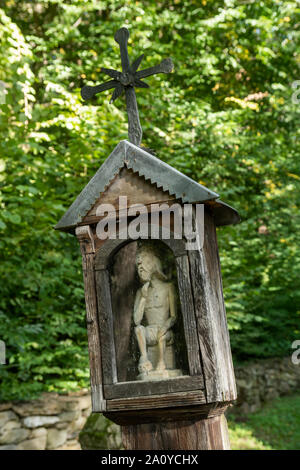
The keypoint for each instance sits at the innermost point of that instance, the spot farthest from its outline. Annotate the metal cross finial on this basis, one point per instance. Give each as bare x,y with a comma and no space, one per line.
126,81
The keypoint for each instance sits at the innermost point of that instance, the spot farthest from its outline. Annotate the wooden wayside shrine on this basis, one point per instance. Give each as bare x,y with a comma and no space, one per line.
182,412
160,358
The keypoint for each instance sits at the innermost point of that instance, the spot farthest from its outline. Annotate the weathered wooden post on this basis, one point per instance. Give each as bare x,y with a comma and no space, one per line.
160,367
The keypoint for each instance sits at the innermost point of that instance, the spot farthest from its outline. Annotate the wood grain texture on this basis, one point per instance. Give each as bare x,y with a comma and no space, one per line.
141,388
124,285
85,237
164,415
188,314
157,401
105,318
211,317
204,434
87,247
110,246
130,184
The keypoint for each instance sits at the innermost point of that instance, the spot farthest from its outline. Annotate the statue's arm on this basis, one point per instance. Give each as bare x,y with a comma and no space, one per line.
139,307
172,308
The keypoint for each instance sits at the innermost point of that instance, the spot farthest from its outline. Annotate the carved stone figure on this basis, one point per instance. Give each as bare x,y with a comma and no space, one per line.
155,303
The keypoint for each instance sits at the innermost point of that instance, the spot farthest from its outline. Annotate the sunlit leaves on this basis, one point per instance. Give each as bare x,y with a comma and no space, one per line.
224,117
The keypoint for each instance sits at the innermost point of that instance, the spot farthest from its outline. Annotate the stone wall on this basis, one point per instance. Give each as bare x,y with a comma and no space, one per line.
262,381
52,422
55,421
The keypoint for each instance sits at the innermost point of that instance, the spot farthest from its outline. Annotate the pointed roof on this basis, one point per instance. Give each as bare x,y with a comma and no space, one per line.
151,168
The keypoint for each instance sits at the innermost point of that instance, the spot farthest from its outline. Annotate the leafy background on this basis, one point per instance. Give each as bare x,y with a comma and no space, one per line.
226,118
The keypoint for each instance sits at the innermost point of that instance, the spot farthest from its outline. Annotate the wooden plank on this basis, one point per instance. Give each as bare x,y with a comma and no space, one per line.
157,401
204,327
140,388
130,184
98,403
203,434
161,206
112,245
85,237
211,317
105,319
164,415
223,353
188,314
124,285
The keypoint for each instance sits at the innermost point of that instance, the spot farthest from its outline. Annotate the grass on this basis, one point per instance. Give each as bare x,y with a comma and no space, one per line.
274,427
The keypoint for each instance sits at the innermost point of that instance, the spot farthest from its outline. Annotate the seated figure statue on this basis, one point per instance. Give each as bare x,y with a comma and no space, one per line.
155,302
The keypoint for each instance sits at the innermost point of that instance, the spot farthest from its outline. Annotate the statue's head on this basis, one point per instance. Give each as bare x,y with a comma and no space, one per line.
148,264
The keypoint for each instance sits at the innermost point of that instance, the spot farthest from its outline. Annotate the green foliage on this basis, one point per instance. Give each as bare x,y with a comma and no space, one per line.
225,118
100,433
275,427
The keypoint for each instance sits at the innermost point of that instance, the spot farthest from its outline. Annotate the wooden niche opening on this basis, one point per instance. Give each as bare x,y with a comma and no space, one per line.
116,271
124,287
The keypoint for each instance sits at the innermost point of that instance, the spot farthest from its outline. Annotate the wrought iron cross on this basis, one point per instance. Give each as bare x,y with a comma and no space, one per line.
126,81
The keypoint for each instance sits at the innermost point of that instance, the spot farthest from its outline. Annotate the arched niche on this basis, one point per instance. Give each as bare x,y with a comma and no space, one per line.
116,287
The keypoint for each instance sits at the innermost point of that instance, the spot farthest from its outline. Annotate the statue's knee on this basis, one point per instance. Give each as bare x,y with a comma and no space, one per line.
160,339
139,329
